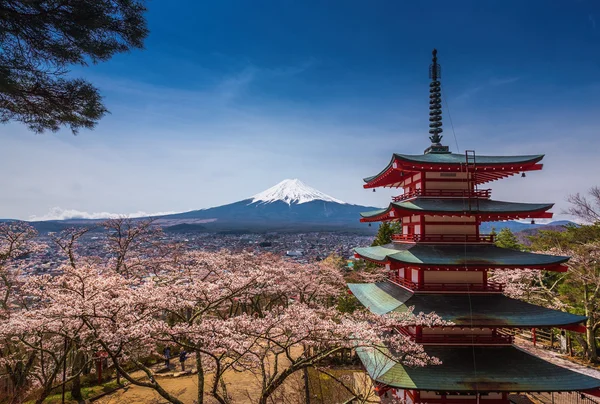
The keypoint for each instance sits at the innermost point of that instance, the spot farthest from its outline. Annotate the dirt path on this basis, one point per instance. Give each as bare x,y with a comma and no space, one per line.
240,386
244,387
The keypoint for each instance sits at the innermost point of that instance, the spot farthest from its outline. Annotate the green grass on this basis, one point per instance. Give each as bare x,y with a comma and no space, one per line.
86,392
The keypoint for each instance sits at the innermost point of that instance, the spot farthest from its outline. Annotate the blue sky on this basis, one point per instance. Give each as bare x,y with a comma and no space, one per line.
231,97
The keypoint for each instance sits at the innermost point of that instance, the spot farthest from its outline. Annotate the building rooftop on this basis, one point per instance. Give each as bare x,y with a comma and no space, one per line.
469,255
475,310
483,369
457,159
487,168
487,209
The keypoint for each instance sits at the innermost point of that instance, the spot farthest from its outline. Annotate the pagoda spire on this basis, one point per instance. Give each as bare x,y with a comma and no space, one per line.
435,108
435,103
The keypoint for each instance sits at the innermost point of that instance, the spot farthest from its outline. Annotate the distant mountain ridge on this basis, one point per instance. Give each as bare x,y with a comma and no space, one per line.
289,206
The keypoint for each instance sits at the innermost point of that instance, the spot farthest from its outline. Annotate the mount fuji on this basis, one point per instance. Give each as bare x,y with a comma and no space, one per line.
289,206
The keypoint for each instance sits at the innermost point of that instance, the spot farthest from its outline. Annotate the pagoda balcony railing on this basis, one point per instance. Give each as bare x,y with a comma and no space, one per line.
447,286
404,282
443,238
445,193
459,339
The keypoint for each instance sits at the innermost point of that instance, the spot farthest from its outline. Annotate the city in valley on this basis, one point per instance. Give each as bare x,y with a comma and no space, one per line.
300,247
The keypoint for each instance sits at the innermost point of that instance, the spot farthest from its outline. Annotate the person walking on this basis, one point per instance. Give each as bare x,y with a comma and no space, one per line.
167,355
182,358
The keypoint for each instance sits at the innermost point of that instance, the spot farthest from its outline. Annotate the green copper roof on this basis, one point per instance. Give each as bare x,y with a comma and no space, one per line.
380,298
480,310
487,255
483,369
456,159
461,205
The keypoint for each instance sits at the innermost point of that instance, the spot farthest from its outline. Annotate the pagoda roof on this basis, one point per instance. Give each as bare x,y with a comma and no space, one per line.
464,310
468,369
487,209
488,168
434,256
457,159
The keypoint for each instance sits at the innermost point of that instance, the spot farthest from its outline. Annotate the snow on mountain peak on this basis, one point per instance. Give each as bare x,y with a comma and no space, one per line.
292,191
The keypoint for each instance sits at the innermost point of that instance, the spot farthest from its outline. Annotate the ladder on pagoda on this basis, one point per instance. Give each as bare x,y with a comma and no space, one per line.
471,167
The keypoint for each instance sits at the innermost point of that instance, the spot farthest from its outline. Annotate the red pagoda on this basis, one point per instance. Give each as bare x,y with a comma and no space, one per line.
440,263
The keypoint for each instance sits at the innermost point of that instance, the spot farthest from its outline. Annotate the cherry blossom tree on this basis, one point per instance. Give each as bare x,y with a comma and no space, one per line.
269,316
17,243
581,289
232,311
531,285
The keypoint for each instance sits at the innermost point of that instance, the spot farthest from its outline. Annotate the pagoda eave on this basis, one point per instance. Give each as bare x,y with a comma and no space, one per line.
481,209
476,369
462,267
398,170
462,310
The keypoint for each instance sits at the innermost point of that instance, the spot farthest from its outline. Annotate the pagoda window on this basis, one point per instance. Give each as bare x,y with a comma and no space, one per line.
451,228
414,275
460,277
447,181
492,396
429,219
444,176
461,397
430,394
460,184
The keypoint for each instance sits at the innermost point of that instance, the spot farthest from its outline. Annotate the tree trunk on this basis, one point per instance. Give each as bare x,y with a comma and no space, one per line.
76,388
306,386
278,381
590,335
200,378
78,363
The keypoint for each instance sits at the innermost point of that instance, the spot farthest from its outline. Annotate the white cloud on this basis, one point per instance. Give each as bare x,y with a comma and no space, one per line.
57,213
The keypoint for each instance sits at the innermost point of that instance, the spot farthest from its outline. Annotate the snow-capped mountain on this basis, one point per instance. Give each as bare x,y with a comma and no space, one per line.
290,205
293,191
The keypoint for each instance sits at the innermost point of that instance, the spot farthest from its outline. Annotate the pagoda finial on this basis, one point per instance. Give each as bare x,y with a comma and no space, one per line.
435,102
